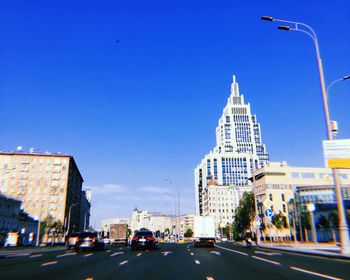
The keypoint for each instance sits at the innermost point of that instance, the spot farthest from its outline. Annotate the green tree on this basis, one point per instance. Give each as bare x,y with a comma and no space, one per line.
188,233
279,221
244,214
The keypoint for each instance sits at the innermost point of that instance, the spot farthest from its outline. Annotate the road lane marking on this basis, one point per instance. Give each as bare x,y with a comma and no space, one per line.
231,250
108,251
49,263
166,253
17,255
314,273
215,252
266,260
123,262
36,255
192,254
118,253
197,261
139,254
267,253
88,255
65,255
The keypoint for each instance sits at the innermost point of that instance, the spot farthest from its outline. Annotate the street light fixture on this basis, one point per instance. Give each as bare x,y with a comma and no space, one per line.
304,28
334,124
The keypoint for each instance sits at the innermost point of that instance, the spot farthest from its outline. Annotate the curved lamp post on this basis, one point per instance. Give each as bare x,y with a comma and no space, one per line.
70,209
306,29
334,125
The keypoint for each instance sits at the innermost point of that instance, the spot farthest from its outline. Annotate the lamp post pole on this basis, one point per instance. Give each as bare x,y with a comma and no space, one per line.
38,233
306,29
69,213
258,239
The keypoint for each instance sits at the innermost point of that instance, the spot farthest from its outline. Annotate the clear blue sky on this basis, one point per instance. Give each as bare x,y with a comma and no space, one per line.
133,89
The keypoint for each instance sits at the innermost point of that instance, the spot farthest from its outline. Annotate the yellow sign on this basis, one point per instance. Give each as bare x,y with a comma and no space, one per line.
339,163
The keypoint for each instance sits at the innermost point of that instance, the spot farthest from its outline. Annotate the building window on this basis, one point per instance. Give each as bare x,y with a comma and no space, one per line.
295,175
307,175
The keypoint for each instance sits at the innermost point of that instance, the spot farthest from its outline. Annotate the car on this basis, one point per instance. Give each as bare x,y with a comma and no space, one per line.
144,239
72,240
89,240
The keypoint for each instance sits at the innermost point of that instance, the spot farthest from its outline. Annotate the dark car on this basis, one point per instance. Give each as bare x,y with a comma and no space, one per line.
89,240
72,240
144,239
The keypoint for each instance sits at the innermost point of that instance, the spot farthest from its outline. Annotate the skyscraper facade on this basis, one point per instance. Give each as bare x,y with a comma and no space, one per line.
239,149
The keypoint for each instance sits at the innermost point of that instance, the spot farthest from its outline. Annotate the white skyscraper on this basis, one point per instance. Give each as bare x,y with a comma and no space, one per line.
238,151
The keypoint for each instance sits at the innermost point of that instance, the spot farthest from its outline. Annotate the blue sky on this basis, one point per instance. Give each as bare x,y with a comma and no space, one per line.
134,89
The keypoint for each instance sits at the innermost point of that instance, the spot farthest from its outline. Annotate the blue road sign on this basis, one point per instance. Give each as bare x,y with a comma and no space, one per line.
268,213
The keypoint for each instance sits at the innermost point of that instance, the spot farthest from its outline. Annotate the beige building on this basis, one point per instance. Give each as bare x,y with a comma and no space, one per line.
275,185
221,201
46,183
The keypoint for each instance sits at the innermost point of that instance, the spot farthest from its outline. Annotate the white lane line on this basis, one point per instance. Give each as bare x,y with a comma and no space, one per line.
210,278
197,261
267,253
65,255
17,255
266,260
108,251
36,255
231,250
215,252
88,255
315,273
49,263
166,253
123,262
139,254
118,253
192,254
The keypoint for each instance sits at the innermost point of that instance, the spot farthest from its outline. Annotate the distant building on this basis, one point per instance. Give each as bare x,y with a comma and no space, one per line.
221,201
47,183
239,149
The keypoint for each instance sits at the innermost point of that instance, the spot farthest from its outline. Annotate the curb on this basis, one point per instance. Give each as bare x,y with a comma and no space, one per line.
310,253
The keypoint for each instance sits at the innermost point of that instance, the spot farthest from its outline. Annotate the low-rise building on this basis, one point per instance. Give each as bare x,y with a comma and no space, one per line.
277,183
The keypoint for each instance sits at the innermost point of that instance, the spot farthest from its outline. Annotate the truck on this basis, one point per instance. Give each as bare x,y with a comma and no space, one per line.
204,231
118,234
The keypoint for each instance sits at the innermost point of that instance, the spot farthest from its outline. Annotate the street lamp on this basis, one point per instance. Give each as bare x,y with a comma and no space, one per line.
70,209
304,28
311,208
334,125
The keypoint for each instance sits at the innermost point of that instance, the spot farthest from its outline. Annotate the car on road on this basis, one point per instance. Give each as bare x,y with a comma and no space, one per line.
72,240
89,240
144,239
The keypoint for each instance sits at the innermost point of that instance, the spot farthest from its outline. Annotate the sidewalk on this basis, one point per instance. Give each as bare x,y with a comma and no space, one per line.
321,249
22,251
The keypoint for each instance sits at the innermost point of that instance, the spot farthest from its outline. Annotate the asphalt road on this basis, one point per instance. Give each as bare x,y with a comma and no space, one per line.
171,261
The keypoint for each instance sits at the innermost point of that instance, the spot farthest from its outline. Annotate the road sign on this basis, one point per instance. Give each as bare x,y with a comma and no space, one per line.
267,203
268,213
337,153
